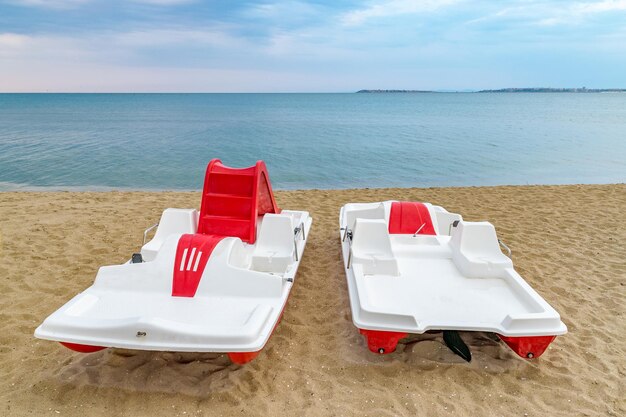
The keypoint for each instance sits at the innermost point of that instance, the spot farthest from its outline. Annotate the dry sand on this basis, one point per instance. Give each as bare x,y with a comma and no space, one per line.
567,241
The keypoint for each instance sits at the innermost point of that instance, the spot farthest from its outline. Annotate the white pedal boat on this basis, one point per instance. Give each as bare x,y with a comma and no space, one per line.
414,267
210,281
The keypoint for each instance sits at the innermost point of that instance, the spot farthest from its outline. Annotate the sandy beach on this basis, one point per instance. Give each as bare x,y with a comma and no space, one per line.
567,242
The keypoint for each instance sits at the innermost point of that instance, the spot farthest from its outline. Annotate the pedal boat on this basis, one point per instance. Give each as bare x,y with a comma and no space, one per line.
414,267
210,281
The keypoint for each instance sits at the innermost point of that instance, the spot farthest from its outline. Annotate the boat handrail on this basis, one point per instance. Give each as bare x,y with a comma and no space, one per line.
349,235
148,230
505,246
296,232
419,230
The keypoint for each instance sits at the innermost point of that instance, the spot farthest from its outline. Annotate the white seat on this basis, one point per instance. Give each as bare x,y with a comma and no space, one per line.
274,250
371,247
173,221
476,251
444,220
365,211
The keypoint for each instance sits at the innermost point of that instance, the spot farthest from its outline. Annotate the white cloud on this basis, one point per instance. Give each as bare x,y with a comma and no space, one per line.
70,77
281,10
600,6
104,45
41,48
51,4
577,12
312,48
188,37
543,13
12,40
394,8
164,2
72,4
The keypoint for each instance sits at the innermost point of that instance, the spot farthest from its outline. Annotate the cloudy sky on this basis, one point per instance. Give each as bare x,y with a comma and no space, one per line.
316,46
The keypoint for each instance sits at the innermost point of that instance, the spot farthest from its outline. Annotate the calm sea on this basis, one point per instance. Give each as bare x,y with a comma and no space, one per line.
164,141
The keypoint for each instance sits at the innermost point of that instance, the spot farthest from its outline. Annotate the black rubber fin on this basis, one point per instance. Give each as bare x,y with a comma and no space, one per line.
456,344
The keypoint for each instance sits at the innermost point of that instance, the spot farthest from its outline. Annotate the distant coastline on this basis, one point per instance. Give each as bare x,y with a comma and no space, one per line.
556,90
511,90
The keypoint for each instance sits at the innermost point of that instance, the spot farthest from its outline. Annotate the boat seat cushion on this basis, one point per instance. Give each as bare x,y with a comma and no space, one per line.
371,247
274,250
408,217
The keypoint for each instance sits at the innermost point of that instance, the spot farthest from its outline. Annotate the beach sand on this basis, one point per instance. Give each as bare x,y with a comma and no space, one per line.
568,242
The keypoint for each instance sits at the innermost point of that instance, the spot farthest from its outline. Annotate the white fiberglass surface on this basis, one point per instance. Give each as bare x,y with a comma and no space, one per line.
458,279
436,293
235,306
204,311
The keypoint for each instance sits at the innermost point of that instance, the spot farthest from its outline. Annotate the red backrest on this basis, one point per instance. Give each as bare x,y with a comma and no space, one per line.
408,217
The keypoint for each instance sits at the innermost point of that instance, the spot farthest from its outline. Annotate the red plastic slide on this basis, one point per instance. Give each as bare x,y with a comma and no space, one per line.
233,198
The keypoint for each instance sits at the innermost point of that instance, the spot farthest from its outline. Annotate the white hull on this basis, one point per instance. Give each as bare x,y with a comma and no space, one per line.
130,306
456,279
210,281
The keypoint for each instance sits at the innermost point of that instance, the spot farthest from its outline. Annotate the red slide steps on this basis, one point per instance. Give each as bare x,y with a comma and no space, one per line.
233,198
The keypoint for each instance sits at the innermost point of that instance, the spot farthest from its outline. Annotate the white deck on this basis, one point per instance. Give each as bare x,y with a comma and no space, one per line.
441,282
241,295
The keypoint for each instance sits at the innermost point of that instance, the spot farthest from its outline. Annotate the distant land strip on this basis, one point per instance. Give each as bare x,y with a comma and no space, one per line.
511,90
556,90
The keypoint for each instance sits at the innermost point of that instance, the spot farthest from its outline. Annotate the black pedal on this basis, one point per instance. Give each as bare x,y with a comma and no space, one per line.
136,258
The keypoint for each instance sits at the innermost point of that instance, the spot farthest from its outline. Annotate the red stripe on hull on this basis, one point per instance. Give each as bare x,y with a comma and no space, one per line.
192,255
82,348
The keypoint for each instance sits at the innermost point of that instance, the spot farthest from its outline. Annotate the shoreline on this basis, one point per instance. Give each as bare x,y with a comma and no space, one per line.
107,189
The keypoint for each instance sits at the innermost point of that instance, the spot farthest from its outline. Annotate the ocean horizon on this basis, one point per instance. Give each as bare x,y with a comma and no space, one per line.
163,141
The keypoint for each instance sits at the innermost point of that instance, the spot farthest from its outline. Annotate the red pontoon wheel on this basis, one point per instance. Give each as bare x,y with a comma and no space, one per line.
241,358
382,342
528,347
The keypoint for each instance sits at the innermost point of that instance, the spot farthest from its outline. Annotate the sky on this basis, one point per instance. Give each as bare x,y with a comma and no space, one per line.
309,46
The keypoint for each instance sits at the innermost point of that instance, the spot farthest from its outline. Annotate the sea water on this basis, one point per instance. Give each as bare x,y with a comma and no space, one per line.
164,141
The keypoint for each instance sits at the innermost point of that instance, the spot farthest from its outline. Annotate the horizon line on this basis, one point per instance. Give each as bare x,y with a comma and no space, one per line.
366,90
